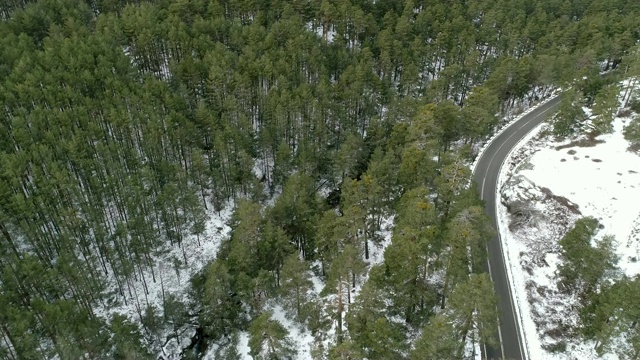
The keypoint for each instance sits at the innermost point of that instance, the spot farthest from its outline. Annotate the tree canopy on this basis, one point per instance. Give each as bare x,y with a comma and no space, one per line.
126,124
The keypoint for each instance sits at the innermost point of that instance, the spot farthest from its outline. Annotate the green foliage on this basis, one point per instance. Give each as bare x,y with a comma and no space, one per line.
348,160
409,259
346,350
274,249
451,182
611,318
295,285
479,112
632,131
473,304
441,122
221,307
126,339
330,237
437,341
465,239
295,211
570,114
512,78
268,339
416,167
363,206
585,266
371,330
605,108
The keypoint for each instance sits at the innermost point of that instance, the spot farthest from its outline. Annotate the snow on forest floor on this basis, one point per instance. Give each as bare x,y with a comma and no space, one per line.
553,184
302,338
172,275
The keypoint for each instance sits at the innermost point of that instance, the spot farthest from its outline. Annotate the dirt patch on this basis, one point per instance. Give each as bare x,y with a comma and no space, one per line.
522,213
542,291
596,160
562,200
625,113
590,141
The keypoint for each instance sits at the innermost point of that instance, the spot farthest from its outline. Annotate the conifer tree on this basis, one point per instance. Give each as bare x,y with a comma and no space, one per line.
268,339
295,285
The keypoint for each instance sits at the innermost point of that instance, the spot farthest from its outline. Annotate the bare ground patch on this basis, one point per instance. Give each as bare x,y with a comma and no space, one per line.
574,208
634,148
589,141
624,112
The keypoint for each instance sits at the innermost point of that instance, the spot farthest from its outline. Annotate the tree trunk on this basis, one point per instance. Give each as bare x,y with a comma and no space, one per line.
9,239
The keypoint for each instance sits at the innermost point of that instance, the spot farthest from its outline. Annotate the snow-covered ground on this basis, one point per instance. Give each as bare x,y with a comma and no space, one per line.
552,184
172,275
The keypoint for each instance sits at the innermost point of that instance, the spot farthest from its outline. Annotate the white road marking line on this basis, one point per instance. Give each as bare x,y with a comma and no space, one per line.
482,188
498,319
501,343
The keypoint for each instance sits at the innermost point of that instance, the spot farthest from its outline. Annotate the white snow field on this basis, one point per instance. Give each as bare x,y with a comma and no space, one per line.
557,183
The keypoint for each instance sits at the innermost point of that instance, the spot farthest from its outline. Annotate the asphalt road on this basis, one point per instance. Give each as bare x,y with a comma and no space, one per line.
510,345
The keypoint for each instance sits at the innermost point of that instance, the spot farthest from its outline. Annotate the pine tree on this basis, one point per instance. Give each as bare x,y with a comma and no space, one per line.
410,259
221,309
585,265
331,231
605,108
437,341
343,275
370,329
268,339
346,350
274,248
295,211
295,285
570,114
126,339
473,307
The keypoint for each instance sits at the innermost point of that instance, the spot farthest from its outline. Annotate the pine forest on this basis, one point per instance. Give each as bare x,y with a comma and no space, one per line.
332,137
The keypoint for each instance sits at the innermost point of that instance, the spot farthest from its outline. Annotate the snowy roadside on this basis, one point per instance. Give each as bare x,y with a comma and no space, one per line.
549,185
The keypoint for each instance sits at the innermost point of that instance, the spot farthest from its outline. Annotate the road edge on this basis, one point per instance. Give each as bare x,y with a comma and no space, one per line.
504,127
506,254
510,277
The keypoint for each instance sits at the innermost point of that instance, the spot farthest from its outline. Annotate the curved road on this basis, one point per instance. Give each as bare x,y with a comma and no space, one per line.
510,344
